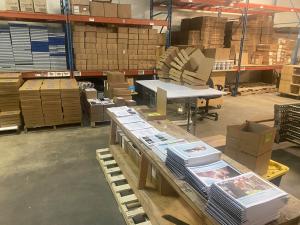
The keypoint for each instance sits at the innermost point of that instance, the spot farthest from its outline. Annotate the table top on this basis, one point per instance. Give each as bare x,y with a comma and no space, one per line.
179,91
289,214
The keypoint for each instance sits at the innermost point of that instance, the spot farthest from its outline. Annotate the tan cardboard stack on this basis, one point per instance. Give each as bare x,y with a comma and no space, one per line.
116,86
70,100
101,8
10,99
251,144
51,102
31,103
39,6
290,80
164,63
122,48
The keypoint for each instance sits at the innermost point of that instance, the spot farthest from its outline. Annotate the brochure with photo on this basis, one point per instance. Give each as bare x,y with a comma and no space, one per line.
214,172
161,148
149,140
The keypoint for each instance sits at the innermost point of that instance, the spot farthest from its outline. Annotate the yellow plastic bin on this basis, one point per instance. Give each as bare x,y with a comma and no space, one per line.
275,172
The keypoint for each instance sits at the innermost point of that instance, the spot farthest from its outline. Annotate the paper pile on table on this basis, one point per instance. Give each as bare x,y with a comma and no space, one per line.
191,154
161,148
246,199
202,177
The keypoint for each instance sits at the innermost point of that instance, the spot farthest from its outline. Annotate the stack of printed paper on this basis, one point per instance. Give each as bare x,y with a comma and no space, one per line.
202,177
245,199
191,154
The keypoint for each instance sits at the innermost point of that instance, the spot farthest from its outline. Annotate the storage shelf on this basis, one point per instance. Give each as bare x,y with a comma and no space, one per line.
103,73
119,21
227,6
32,17
46,74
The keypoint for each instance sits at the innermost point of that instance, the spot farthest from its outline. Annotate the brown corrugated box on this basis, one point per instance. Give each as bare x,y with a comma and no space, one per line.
124,11
81,10
26,5
110,10
40,6
12,5
217,53
97,9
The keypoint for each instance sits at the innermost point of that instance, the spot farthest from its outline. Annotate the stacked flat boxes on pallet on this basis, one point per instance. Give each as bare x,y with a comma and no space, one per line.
70,100
50,102
116,86
10,100
290,80
122,48
31,103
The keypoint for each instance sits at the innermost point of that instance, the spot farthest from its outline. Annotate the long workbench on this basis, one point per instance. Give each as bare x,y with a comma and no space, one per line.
171,197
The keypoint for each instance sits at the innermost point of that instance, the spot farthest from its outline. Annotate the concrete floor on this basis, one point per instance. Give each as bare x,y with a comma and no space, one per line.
53,178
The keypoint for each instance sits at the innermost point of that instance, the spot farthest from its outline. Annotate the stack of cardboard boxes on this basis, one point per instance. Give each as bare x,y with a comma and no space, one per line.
101,8
70,100
116,86
39,6
31,103
106,48
203,32
290,80
51,102
10,100
250,144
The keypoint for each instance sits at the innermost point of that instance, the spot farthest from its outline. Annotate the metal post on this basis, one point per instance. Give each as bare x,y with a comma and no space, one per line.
295,52
66,11
169,32
244,33
151,10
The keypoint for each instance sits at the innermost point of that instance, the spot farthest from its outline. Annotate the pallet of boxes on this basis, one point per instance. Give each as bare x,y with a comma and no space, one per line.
10,118
290,81
95,107
50,102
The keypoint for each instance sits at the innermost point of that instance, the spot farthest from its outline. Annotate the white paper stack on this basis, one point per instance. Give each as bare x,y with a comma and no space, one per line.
40,47
246,199
21,46
7,62
122,111
202,177
161,149
191,154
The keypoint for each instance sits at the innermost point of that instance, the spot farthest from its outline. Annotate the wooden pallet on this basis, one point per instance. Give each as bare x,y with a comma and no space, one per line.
128,202
53,127
256,90
290,95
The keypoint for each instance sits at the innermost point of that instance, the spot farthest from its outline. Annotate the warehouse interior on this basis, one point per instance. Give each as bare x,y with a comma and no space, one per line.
107,110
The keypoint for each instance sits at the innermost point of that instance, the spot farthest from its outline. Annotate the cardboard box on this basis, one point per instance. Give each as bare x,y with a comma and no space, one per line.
26,5
258,164
80,2
90,93
12,5
81,10
40,6
115,77
123,30
124,11
97,9
110,10
217,53
251,138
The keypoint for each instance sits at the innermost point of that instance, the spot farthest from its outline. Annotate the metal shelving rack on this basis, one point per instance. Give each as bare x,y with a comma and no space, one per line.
228,6
67,19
